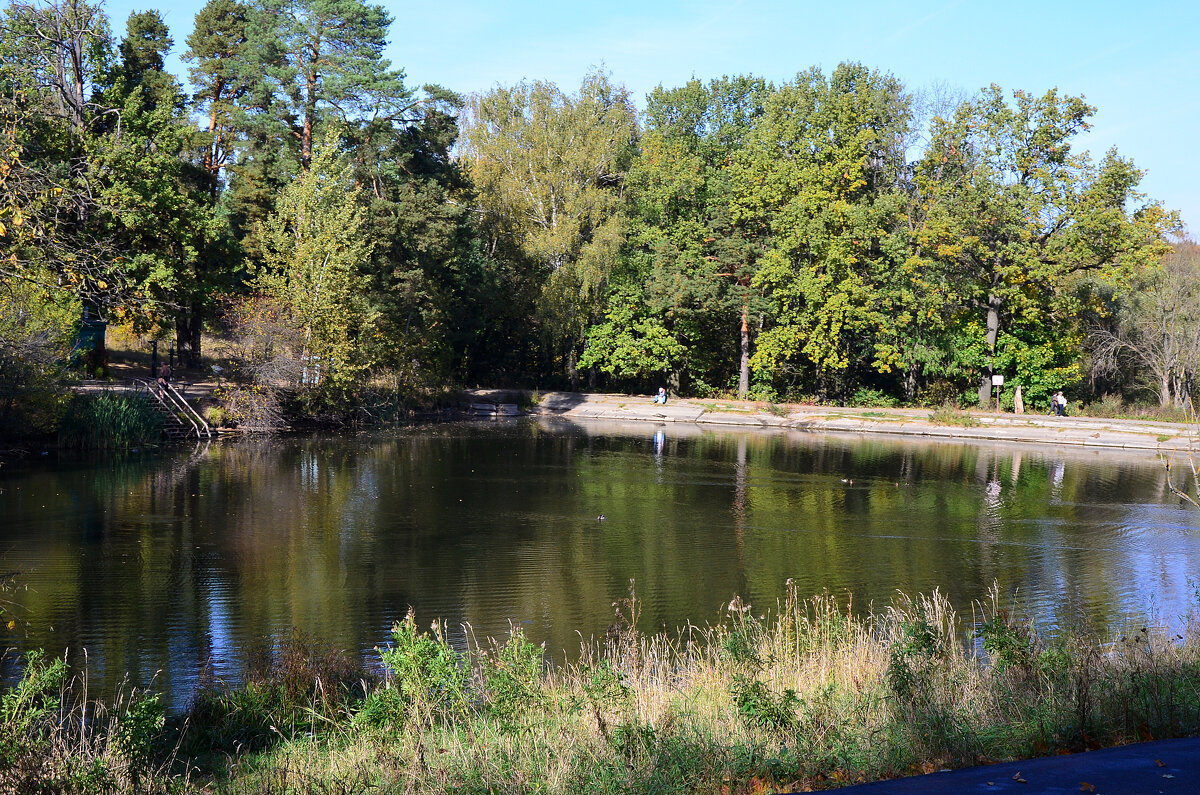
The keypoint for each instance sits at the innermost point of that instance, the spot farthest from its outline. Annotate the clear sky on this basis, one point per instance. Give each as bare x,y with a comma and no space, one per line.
1138,63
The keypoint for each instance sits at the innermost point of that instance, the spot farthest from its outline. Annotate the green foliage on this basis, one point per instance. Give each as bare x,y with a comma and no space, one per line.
26,708
631,347
428,674
1010,645
805,238
314,251
513,677
866,398
820,171
1014,219
549,167
911,656
758,705
139,732
37,327
100,420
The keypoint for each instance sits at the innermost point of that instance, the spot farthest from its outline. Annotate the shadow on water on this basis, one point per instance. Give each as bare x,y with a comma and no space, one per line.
162,564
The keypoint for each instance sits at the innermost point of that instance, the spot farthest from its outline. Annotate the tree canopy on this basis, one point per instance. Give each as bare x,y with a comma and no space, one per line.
815,239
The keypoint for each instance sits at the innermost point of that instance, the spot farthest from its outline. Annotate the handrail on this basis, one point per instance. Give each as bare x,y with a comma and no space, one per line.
161,396
181,400
177,405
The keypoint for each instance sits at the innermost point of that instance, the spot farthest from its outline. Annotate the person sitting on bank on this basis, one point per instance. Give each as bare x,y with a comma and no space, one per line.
661,397
164,378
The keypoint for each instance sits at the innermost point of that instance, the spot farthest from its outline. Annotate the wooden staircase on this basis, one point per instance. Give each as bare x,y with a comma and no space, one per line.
180,419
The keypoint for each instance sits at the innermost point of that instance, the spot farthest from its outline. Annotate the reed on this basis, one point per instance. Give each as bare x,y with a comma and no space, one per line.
109,420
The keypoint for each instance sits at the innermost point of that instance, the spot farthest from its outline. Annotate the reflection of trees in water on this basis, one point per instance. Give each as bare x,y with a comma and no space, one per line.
165,562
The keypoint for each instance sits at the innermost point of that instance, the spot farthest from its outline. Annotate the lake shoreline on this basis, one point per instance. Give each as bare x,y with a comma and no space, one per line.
1086,432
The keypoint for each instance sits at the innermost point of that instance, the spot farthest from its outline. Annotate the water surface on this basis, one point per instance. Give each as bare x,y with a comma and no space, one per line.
162,564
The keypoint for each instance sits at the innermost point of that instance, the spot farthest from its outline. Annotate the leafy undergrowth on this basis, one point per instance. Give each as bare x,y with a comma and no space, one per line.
809,697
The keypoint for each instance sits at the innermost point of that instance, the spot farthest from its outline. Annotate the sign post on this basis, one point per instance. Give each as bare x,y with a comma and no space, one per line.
997,385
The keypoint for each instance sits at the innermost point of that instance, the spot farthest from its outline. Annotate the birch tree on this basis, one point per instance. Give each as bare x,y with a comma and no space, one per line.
549,168
314,250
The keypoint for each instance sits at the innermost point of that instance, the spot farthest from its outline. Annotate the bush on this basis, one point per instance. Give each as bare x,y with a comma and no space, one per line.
430,675
873,398
294,686
513,677
940,393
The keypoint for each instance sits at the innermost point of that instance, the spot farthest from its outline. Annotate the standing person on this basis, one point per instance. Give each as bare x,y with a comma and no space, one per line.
164,378
1062,404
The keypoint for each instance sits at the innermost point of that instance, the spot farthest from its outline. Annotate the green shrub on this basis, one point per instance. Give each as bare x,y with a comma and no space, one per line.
513,677
911,655
873,398
426,670
25,708
216,416
139,731
1010,645
758,705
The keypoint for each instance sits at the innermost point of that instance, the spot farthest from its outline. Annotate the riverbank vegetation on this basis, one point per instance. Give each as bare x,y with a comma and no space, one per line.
345,243
810,695
109,420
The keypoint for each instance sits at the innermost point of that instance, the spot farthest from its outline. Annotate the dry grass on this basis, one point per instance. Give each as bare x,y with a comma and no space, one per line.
809,696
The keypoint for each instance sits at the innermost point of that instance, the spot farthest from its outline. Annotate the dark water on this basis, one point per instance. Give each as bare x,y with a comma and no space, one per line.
161,563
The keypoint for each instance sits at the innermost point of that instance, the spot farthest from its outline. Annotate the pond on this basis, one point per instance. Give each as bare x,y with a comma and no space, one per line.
160,565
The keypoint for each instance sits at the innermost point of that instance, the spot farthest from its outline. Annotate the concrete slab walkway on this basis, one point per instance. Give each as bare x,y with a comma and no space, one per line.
1033,429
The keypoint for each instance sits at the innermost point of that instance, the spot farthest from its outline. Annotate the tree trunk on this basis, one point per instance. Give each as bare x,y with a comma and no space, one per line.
993,333
572,370
188,325
1164,389
910,384
744,366
310,112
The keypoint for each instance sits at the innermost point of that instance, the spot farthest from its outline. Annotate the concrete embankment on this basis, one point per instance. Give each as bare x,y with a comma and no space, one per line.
1025,429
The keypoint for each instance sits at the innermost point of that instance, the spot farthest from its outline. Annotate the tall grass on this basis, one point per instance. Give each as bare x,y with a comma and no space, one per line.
53,739
809,696
100,420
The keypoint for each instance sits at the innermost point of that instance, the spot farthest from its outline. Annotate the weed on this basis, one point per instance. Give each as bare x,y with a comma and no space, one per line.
951,415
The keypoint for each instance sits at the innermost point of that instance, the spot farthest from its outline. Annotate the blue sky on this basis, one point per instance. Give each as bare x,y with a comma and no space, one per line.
1138,63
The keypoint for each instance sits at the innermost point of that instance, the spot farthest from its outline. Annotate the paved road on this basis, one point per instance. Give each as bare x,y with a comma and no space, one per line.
1164,766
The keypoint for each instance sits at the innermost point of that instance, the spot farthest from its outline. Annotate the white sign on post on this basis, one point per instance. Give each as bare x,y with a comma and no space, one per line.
997,380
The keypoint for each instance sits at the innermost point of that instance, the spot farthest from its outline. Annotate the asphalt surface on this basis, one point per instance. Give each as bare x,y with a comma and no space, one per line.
1162,766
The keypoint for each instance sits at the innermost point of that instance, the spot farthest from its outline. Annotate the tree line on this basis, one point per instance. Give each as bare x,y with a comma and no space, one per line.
836,236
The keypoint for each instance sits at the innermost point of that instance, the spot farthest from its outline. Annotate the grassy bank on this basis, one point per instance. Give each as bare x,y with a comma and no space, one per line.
807,697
